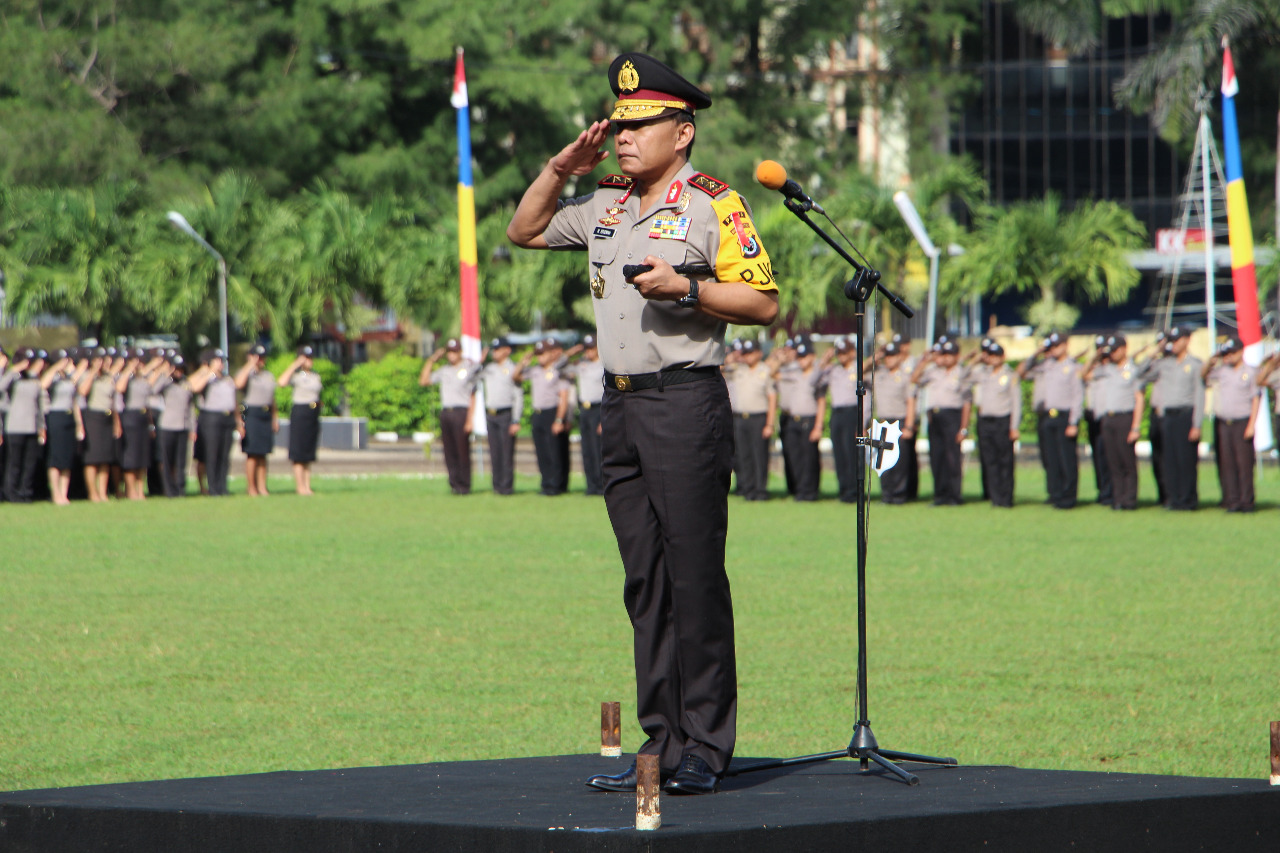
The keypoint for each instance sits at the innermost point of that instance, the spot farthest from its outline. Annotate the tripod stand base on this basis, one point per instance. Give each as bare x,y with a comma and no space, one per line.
864,748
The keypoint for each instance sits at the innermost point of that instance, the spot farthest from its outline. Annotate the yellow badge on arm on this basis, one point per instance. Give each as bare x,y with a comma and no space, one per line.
741,257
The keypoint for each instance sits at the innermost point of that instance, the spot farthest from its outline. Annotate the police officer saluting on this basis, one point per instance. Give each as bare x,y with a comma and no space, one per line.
1236,398
797,384
304,416
756,402
1059,398
457,383
1178,386
950,399
894,401
219,418
1118,402
24,429
258,416
175,425
840,380
999,399
667,438
588,373
504,407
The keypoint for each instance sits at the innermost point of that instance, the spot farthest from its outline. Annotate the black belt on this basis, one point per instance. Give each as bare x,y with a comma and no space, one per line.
1233,420
247,408
660,379
504,410
455,408
1177,410
1128,412
587,404
217,412
946,409
1053,413
995,417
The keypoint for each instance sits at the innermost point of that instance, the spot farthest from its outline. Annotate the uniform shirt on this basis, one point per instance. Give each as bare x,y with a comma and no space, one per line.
750,388
175,414
61,395
219,395
1233,390
1058,387
590,381
26,404
500,390
1116,385
1273,382
260,389
457,382
102,395
798,388
4,391
947,388
306,386
998,392
785,383
841,382
136,393
1176,384
544,386
892,389
699,221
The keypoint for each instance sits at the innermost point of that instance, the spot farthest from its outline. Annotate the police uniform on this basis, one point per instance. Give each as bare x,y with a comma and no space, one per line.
135,421
504,406
949,393
457,384
840,381
893,395
797,385
588,374
217,428
173,428
1177,401
1235,391
60,423
753,402
1093,425
547,386
1155,422
998,394
23,424
304,414
1115,397
668,436
1059,392
257,409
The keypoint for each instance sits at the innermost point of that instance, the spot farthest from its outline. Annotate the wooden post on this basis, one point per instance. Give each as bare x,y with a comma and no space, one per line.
611,729
1275,753
648,812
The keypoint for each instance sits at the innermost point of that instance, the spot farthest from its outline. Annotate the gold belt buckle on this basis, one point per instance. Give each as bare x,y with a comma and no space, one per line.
622,383
1053,413
586,405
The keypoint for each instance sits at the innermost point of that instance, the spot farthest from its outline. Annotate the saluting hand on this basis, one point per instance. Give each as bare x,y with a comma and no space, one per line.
584,153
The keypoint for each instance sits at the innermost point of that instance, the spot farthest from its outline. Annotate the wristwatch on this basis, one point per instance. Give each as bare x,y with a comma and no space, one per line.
690,301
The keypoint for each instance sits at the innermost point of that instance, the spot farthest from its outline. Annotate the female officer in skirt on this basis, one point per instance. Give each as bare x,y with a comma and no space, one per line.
62,426
101,425
259,418
304,418
135,383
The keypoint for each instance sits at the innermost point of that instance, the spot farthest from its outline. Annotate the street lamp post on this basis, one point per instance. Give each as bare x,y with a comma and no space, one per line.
180,222
909,215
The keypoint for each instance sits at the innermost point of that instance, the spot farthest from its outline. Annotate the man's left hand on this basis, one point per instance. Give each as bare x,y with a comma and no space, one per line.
661,283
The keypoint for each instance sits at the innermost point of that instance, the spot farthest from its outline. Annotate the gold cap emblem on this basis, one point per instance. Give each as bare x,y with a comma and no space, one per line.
628,77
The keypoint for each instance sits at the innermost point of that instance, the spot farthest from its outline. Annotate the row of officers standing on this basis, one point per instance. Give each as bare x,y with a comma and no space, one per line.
786,395
102,422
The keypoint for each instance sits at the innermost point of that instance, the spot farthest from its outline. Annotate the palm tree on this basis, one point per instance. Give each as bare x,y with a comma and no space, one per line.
1069,259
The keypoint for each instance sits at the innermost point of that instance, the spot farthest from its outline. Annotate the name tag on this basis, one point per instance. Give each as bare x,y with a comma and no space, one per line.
603,232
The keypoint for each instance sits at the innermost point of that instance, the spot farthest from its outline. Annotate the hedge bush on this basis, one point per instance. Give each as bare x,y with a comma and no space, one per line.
330,376
387,393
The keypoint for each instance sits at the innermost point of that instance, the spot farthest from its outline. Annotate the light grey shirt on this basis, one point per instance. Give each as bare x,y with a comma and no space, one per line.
998,393
701,221
457,382
545,384
136,393
797,388
590,381
102,394
947,388
1233,390
1175,384
1117,384
751,387
175,416
219,395
892,389
841,382
260,389
1059,387
61,394
306,386
26,405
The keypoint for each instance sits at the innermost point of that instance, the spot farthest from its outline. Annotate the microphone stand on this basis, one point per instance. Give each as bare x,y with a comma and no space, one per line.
863,746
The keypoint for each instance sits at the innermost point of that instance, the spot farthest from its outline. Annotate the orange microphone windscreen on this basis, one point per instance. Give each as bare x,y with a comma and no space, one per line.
771,174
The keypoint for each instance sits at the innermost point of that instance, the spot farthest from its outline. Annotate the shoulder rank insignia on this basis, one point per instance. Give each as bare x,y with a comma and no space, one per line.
708,184
616,181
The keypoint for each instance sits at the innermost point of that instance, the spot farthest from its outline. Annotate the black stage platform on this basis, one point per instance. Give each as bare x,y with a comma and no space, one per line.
541,804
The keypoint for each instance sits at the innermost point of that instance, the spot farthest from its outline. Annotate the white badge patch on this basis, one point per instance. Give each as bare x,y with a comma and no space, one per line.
882,459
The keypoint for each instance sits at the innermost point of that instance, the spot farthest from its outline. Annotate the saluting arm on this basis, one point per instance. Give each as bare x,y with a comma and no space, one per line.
424,378
285,377
538,204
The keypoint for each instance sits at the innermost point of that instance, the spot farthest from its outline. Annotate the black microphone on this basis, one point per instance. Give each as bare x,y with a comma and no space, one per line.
772,175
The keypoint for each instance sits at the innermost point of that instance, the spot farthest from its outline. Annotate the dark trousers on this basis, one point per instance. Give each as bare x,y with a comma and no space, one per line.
751,455
898,484
173,461
1058,456
155,471
216,431
806,463
844,450
944,455
995,450
457,455
502,450
1156,435
1122,461
588,433
1101,473
1235,464
1181,459
788,469
20,467
552,451
667,461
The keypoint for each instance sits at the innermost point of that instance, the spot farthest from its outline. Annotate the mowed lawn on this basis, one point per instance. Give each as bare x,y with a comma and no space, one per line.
388,622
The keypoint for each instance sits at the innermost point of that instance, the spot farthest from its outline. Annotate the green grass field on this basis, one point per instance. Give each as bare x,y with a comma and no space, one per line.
387,622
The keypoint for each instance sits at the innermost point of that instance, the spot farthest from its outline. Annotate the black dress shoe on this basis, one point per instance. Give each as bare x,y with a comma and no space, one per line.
623,782
694,777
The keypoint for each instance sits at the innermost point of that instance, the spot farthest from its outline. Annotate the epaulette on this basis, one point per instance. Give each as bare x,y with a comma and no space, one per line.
620,181
708,184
